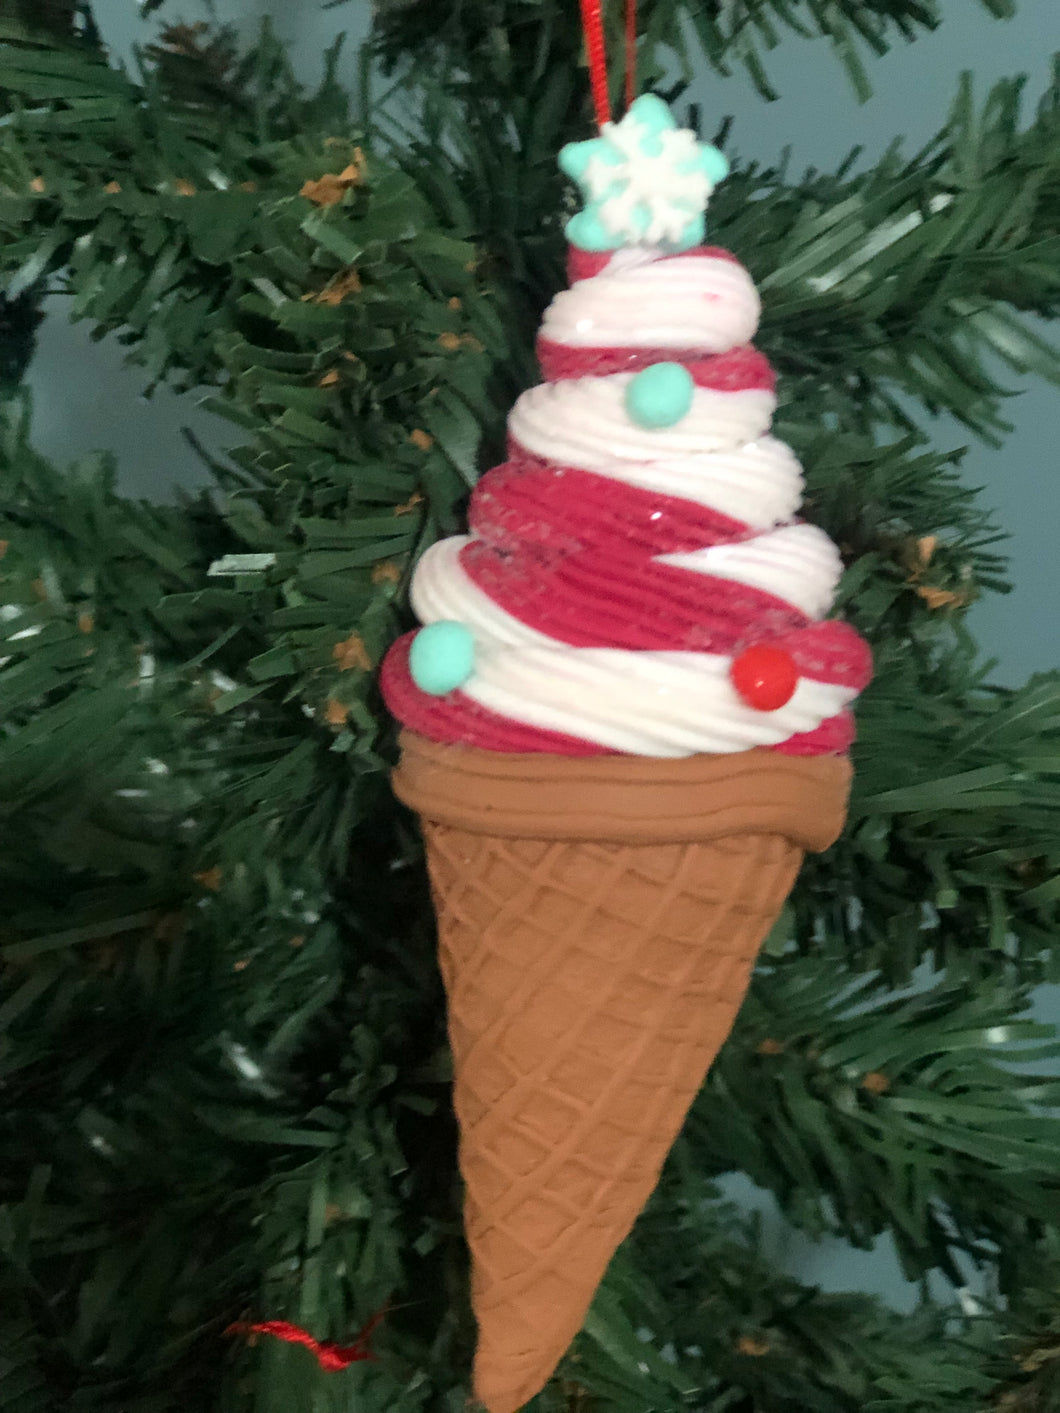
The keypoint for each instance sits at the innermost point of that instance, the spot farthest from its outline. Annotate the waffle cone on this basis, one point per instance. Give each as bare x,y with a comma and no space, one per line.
598,922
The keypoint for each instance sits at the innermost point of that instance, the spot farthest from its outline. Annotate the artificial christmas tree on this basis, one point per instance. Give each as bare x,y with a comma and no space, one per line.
226,1087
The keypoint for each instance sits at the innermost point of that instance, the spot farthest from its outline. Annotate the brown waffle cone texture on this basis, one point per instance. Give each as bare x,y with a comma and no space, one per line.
598,922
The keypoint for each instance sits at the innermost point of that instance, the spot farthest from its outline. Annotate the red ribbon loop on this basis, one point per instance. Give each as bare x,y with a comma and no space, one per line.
330,1356
596,48
593,28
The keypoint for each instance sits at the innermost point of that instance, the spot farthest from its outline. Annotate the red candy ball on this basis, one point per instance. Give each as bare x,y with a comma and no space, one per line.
765,677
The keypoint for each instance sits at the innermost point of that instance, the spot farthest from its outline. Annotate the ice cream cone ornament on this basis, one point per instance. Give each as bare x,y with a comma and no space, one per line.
626,717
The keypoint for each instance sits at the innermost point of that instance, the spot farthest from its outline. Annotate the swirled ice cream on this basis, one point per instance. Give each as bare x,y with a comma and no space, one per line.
635,578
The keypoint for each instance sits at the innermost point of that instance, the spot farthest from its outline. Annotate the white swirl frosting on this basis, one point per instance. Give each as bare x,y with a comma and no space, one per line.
719,455
442,589
698,302
759,483
665,703
796,563
583,422
645,703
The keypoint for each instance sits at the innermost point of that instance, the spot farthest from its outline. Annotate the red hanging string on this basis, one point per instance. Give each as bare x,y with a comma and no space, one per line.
593,28
330,1356
631,51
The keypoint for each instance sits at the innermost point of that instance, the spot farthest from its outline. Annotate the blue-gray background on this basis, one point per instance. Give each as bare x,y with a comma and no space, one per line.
86,399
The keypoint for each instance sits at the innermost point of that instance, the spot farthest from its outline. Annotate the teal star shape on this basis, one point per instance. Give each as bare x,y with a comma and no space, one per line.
644,181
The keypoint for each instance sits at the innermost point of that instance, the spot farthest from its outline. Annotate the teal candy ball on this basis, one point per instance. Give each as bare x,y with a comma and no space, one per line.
442,657
660,395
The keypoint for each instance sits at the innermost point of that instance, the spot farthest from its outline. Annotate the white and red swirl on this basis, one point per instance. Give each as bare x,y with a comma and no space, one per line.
612,572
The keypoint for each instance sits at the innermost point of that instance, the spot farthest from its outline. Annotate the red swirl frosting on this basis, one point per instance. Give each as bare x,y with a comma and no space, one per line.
616,569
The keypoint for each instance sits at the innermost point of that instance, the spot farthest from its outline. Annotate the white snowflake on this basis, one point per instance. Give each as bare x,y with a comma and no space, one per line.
645,181
669,185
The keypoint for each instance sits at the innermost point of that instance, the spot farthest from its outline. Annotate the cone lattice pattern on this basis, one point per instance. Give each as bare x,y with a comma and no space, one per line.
590,986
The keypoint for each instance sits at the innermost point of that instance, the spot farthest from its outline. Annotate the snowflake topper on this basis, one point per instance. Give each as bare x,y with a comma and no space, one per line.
645,181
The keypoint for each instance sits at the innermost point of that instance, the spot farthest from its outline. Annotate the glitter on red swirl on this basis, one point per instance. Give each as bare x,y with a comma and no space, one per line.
739,370
588,599
528,501
574,555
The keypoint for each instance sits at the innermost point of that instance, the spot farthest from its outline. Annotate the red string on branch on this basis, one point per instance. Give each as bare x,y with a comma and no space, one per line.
631,51
330,1356
593,28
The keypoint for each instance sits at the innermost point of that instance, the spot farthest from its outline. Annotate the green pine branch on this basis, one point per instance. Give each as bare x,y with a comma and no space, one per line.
201,1056
873,1112
692,1315
487,38
919,269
